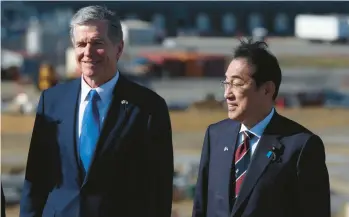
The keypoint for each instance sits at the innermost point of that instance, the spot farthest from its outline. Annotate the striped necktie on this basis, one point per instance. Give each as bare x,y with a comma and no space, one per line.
242,159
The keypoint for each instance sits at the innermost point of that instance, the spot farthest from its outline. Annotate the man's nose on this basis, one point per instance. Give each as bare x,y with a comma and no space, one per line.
88,50
227,92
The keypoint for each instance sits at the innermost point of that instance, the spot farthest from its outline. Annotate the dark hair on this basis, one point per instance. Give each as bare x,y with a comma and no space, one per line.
266,65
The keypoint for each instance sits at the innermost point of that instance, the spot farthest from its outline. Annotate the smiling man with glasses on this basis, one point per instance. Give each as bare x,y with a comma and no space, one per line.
257,162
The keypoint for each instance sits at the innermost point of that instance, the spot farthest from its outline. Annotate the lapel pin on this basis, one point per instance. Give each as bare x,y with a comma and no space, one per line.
269,154
125,103
225,148
275,153
272,153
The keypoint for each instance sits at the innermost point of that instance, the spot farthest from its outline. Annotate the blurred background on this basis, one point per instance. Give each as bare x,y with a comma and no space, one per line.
181,50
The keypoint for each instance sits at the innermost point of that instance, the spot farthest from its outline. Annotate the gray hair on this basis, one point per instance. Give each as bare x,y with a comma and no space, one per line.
97,13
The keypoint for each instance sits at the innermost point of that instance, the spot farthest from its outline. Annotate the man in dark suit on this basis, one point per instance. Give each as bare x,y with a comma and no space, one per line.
3,203
258,163
101,144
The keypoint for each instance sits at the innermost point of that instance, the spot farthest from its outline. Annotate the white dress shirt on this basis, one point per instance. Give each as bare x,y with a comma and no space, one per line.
105,92
257,131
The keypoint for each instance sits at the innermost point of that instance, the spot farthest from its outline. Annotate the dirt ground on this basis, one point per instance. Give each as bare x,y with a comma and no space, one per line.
193,120
188,128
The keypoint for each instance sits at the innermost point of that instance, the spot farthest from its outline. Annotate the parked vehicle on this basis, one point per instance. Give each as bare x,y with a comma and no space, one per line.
322,28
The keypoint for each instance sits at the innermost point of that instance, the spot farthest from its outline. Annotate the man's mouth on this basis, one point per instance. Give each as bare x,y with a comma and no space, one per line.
231,105
91,62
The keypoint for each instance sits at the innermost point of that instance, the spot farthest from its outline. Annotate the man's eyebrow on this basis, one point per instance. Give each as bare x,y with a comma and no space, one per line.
97,39
92,39
234,77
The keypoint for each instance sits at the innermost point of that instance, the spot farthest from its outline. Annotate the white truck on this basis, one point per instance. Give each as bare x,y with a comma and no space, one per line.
322,28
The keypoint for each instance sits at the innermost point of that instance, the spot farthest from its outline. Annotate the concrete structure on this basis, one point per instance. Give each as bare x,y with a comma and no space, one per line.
218,18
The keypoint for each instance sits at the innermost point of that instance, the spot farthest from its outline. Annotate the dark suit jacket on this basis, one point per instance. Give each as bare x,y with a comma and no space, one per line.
295,184
3,203
132,171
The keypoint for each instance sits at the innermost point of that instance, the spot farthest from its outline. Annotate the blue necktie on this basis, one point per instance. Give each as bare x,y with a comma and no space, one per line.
90,130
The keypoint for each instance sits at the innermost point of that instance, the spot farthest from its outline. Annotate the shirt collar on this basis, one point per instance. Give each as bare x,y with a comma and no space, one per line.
105,91
258,129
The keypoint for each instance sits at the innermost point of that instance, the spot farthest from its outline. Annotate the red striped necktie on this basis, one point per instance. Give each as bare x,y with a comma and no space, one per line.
242,159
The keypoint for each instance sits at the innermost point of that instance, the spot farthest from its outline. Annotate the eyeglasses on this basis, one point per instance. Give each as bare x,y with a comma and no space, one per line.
226,84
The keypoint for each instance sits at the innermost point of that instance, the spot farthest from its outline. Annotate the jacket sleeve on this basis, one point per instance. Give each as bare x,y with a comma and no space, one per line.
160,162
36,183
313,180
200,197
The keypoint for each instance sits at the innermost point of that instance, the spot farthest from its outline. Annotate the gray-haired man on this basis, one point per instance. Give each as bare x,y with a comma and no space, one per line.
101,144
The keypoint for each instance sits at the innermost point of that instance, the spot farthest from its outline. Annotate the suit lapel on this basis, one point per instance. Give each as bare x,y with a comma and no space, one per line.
69,110
116,118
230,139
259,161
227,149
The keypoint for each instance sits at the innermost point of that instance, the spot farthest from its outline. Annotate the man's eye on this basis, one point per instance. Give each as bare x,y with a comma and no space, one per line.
238,83
80,44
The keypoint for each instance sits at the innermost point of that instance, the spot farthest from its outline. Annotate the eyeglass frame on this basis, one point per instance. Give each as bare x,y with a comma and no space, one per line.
226,84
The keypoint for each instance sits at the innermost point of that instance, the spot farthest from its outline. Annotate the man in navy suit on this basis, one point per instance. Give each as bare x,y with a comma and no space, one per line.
258,163
3,203
101,144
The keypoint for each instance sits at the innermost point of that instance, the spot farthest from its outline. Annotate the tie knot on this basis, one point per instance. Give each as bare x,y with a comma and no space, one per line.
93,95
247,135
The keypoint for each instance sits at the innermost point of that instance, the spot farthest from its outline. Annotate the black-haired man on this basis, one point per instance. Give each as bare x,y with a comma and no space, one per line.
257,162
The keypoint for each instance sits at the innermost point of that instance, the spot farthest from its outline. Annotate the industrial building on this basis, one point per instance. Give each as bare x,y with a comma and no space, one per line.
225,18
212,18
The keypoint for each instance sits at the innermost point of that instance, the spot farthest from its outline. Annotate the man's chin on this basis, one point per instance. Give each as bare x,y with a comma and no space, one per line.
233,115
89,73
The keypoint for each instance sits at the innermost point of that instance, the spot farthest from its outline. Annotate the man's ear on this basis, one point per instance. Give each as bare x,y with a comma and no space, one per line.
120,48
269,88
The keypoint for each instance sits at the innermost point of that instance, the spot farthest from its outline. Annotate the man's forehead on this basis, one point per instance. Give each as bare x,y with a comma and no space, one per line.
239,63
95,25
238,68
89,32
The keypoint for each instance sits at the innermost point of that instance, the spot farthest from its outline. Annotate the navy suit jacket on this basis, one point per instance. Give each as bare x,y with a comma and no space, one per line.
132,171
293,184
3,203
